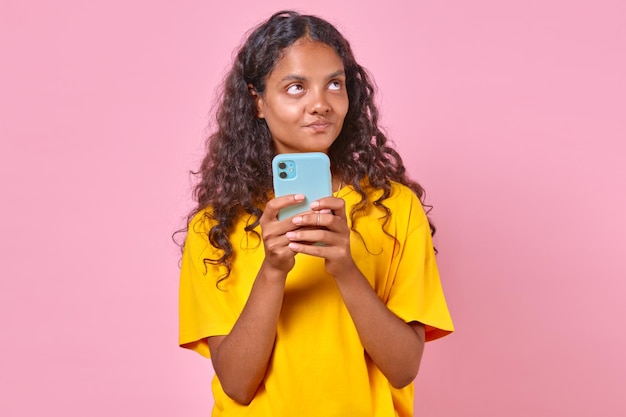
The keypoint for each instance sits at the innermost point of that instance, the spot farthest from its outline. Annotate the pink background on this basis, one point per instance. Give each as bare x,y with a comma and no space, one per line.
511,114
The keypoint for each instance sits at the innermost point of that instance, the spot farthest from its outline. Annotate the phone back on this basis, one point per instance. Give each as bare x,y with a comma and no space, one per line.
301,173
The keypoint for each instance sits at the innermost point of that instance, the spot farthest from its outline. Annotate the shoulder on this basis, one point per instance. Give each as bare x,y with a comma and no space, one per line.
400,196
198,230
402,192
200,223
200,226
405,206
402,207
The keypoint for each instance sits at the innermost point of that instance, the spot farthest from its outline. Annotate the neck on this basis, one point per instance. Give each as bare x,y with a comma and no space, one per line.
337,184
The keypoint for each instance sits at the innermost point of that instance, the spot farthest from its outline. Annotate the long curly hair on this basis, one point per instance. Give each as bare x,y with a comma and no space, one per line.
236,175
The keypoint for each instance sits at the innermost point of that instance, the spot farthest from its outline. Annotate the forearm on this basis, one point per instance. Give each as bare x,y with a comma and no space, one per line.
394,346
240,359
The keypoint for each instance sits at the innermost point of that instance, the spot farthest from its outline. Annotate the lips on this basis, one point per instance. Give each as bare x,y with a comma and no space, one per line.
319,125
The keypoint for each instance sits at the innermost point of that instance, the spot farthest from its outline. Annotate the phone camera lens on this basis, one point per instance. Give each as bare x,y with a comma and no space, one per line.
282,165
282,174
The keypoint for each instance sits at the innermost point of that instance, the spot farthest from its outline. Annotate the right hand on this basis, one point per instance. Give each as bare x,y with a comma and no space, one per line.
278,255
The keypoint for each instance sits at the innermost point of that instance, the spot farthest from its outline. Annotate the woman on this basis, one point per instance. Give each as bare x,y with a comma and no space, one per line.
293,327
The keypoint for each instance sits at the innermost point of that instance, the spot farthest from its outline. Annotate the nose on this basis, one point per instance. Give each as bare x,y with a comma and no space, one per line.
319,104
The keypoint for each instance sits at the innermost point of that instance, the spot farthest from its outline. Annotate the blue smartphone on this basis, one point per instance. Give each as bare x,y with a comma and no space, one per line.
305,173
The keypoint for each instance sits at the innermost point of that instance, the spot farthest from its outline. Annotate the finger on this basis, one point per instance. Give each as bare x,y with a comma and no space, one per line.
273,228
320,219
313,219
276,204
334,204
313,250
277,245
307,235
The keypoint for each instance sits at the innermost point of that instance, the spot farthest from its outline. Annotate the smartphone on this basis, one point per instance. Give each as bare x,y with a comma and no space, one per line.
305,173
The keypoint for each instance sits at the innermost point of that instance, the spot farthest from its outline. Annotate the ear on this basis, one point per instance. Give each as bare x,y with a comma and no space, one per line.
258,101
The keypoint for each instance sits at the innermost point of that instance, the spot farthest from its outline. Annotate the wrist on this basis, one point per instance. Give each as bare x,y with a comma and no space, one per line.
348,273
269,273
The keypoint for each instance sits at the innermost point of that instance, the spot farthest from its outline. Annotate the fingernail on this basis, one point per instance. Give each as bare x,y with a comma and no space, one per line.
290,235
325,211
297,220
315,204
298,197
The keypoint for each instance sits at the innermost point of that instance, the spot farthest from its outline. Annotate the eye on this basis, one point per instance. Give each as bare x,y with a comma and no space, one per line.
335,85
295,89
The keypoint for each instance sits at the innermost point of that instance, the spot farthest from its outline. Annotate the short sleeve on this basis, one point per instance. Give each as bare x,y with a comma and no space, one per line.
204,309
416,293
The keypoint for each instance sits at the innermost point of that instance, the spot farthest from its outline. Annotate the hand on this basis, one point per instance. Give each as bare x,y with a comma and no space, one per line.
278,255
326,224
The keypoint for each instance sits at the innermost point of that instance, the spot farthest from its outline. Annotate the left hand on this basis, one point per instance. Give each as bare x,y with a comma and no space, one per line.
327,224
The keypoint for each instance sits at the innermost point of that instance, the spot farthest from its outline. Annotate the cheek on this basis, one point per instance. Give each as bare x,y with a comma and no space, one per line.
281,122
284,111
341,107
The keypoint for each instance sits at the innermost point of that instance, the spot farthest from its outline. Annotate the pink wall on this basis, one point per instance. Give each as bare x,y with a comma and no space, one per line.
512,114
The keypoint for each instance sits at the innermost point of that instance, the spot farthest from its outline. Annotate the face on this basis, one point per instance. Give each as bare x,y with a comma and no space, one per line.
305,99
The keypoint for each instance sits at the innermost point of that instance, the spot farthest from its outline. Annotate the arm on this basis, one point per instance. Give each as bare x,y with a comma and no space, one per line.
395,347
240,358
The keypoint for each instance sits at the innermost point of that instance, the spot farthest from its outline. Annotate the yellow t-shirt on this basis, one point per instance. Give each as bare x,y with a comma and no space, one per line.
319,366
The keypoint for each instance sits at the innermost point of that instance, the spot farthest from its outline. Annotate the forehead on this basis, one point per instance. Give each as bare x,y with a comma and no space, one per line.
307,58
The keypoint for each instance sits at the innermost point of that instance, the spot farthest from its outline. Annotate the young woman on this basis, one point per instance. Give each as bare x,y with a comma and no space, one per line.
292,327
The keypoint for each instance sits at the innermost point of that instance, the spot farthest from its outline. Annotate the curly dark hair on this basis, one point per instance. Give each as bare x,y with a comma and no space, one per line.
236,175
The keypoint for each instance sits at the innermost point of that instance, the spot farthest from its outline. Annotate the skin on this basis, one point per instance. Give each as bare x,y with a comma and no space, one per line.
305,100
307,87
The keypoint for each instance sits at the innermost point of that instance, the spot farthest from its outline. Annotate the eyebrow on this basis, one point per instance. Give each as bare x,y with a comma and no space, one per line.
295,77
